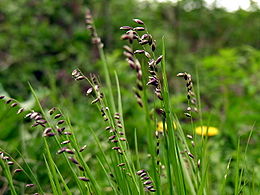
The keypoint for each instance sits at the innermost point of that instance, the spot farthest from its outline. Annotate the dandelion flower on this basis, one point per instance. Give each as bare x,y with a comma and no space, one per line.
206,130
159,126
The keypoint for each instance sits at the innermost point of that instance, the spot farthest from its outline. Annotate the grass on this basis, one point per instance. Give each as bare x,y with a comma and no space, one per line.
175,161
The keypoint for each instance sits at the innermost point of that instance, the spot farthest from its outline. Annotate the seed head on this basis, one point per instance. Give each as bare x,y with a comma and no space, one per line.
121,164
65,142
145,178
29,185
190,155
18,170
139,51
20,110
84,179
61,150
80,168
140,172
138,21
51,111
73,160
8,101
152,190
89,91
60,122
126,28
148,182
14,104
187,115
116,148
159,59
50,134
57,116
69,151
111,137
82,148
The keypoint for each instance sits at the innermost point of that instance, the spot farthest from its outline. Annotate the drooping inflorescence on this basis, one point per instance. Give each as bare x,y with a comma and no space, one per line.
114,124
146,180
190,94
90,26
148,46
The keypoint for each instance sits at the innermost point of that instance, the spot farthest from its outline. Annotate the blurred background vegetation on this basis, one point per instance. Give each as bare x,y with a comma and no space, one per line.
41,42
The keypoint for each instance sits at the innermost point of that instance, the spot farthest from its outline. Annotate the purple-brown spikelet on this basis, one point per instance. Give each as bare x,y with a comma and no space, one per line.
30,185
147,182
121,165
14,105
47,130
140,172
84,179
112,137
2,97
35,125
57,116
10,163
50,134
89,91
60,122
33,115
159,59
152,190
73,160
114,141
61,150
51,111
60,130
108,128
126,28
20,110
190,94
18,170
116,148
145,178
8,101
81,168
139,28
190,155
149,187
65,142
138,21
69,151
83,148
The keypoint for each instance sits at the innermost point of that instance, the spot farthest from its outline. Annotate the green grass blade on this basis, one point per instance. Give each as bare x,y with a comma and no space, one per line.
53,186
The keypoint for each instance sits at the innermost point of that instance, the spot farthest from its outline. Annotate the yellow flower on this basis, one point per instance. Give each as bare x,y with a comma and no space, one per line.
205,130
159,126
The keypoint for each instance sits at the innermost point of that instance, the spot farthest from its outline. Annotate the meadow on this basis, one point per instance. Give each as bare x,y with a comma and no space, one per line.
94,101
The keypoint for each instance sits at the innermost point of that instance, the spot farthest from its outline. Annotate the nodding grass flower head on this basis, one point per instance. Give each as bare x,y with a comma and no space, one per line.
190,93
206,131
159,126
